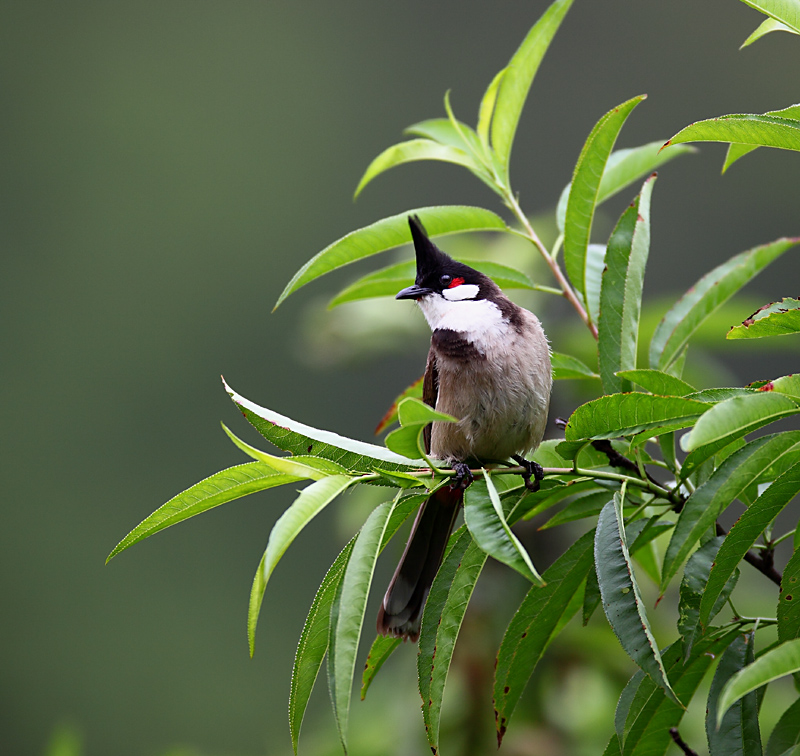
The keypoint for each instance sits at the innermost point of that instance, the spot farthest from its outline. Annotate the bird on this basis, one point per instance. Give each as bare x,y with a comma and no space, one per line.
489,366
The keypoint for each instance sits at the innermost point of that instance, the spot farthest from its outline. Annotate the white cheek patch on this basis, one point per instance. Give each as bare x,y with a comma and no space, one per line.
459,293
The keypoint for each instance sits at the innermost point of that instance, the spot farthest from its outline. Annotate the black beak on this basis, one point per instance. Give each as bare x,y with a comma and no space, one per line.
413,292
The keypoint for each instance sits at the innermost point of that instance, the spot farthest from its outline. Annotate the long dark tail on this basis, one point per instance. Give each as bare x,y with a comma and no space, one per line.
401,610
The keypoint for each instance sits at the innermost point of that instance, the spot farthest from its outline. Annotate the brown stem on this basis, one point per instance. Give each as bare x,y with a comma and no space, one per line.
762,562
675,735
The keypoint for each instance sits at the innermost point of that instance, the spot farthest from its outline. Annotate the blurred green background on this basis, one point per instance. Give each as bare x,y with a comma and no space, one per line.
166,167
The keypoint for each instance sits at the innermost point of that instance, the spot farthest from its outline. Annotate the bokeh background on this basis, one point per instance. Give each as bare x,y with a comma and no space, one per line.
165,168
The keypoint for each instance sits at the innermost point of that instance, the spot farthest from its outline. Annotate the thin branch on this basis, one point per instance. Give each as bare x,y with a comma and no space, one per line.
675,735
763,562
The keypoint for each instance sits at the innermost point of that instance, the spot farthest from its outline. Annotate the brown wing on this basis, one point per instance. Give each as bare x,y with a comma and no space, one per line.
430,392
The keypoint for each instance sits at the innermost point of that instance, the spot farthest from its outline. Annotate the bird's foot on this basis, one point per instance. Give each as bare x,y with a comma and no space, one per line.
532,470
463,476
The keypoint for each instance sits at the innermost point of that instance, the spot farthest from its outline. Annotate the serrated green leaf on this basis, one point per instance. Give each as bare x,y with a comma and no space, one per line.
737,151
786,11
714,289
595,265
220,488
566,367
695,577
441,620
415,150
657,382
629,414
346,633
591,595
388,233
585,187
297,438
382,648
717,395
744,128
414,411
313,643
789,601
775,319
695,459
737,732
623,167
738,416
622,600
584,506
785,738
767,26
406,440
519,76
621,292
311,501
534,624
745,532
709,500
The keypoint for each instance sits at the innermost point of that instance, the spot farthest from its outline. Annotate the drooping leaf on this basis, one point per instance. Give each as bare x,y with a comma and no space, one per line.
220,488
785,738
628,414
419,149
623,168
534,624
695,577
709,500
745,532
736,733
485,519
737,151
311,501
382,648
441,620
313,643
738,416
389,233
766,27
789,601
657,382
566,367
346,633
585,187
621,292
705,297
518,77
297,438
785,11
622,600
775,319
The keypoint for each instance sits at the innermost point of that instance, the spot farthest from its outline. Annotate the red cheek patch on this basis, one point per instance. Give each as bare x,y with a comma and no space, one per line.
455,282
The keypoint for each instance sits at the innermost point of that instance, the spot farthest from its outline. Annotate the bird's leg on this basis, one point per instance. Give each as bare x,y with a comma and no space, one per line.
532,469
463,476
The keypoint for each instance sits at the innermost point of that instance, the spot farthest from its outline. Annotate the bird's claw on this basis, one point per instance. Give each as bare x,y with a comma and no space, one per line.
463,476
532,470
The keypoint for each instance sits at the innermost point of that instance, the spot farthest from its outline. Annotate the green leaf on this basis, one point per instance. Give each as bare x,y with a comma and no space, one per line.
728,481
483,514
534,624
737,151
585,188
696,458
419,149
441,620
775,319
486,110
311,501
645,715
519,76
346,633
406,440
785,11
446,131
622,600
414,411
628,414
786,735
744,128
414,390
566,367
591,595
217,489
382,648
736,417
789,601
736,733
746,531
623,168
389,233
314,643
705,297
695,577
766,27
657,382
595,265
297,438
621,292
585,506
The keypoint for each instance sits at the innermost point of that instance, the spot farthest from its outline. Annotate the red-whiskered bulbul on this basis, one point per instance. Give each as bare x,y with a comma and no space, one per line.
489,366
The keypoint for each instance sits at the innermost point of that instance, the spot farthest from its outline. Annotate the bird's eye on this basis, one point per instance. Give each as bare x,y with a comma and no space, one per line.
445,280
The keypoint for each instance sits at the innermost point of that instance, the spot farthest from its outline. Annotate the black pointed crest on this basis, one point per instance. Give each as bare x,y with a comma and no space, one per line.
429,257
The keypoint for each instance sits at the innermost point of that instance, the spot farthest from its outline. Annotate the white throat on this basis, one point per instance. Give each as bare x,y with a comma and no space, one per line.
478,319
